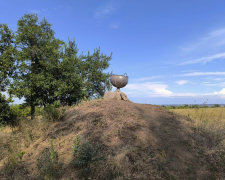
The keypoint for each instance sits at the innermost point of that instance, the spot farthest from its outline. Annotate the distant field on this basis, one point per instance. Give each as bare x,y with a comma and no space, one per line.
207,115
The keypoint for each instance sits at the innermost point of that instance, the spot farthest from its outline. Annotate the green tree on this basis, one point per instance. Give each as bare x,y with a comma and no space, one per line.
186,106
195,106
66,83
7,51
216,105
6,115
35,44
41,78
96,82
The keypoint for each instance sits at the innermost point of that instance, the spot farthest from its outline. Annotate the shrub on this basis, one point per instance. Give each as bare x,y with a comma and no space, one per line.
169,107
186,106
84,154
19,111
6,114
216,105
180,107
48,166
13,162
195,106
51,113
14,156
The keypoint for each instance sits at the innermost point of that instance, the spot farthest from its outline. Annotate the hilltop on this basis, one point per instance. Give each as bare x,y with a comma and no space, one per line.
138,141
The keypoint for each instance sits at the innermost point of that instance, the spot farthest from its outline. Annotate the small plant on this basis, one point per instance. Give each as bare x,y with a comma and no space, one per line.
13,161
53,114
84,154
30,134
2,125
48,167
74,112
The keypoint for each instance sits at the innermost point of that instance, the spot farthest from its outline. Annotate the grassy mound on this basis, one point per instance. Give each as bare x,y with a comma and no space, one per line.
111,139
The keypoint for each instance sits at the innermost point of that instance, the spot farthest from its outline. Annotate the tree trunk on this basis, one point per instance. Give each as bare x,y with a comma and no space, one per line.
32,108
32,112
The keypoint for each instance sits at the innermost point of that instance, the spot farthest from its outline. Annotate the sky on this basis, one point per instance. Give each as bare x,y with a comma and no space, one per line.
173,51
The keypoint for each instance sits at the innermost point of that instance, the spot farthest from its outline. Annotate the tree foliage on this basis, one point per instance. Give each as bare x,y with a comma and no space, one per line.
96,82
7,50
45,69
6,115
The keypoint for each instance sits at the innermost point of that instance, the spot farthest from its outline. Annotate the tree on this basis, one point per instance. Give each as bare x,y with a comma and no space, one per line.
37,45
216,105
7,50
48,79
66,81
96,82
6,115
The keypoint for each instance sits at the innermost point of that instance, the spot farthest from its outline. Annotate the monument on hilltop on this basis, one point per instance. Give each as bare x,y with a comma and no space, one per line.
118,81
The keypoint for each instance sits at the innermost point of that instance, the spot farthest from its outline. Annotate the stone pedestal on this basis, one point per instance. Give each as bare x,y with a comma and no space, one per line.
116,95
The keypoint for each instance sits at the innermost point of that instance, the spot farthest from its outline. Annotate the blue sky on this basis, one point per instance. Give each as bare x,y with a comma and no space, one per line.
173,51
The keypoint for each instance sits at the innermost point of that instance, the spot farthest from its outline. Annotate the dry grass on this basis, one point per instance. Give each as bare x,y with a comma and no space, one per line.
136,141
211,120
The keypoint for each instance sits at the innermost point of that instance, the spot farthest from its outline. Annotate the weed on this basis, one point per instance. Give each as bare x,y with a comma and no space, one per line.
74,112
84,154
30,134
13,161
53,114
48,166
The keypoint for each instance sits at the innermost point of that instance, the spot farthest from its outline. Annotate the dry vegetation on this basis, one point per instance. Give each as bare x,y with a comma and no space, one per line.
113,139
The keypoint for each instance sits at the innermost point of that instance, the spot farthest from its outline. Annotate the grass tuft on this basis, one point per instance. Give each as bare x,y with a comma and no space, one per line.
84,154
48,166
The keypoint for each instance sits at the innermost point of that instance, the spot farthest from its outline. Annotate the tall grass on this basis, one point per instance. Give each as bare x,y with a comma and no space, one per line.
211,120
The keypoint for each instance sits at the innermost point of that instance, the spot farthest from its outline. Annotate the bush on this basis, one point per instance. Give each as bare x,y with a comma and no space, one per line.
195,106
51,113
48,166
180,107
6,115
169,107
186,106
84,154
216,105
19,111
13,161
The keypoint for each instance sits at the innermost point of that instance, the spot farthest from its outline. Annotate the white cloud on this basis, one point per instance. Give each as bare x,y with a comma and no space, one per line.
219,79
182,82
150,87
220,93
213,40
211,84
205,59
189,71
222,84
35,11
206,82
114,25
203,73
147,78
106,9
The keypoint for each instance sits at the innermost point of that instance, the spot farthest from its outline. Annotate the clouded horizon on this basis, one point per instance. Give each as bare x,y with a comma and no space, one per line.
172,51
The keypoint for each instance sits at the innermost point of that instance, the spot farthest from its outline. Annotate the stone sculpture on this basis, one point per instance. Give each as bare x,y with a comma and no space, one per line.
118,81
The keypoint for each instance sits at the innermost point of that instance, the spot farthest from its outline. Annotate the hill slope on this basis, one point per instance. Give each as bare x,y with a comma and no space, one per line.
139,141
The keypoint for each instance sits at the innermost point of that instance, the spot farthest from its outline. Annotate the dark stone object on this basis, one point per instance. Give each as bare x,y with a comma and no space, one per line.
119,81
